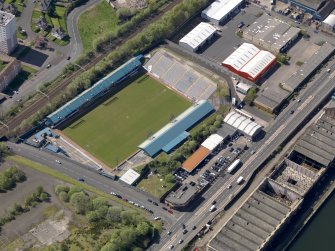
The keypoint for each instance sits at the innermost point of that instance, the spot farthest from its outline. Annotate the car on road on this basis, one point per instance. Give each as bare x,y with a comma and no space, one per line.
169,232
240,25
194,227
68,58
149,200
155,203
252,152
292,111
57,161
180,241
229,186
81,180
48,66
214,202
298,100
157,218
171,247
185,231
328,70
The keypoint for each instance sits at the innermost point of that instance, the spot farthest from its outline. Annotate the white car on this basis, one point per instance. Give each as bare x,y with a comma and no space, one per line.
57,161
171,247
157,218
112,193
229,186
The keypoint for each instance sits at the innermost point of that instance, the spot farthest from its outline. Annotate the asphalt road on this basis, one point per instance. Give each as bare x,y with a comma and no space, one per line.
284,125
77,170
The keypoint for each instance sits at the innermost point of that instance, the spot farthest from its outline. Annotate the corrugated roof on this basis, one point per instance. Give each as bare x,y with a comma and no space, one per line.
198,35
95,90
221,8
172,130
242,123
258,63
172,144
195,159
212,142
330,20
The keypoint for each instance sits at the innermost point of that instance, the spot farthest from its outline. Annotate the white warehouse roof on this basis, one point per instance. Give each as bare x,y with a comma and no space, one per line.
241,56
330,20
258,63
249,59
198,35
242,123
221,8
212,141
243,86
130,177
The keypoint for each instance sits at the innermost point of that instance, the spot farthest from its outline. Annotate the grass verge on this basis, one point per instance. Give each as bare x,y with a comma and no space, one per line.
154,186
49,171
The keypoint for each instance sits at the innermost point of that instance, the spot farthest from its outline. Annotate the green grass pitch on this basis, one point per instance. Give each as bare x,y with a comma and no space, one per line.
114,129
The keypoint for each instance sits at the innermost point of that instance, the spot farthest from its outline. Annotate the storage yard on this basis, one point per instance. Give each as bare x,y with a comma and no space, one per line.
112,131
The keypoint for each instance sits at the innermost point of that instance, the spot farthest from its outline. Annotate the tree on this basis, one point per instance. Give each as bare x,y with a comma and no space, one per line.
81,202
124,13
143,228
63,196
113,215
44,196
99,202
169,178
61,188
5,182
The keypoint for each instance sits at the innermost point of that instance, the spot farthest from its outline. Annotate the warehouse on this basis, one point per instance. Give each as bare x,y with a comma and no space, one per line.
245,125
220,10
203,151
130,177
329,22
197,37
174,133
249,62
320,9
271,34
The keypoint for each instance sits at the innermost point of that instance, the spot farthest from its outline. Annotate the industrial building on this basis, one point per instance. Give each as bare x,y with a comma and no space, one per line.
243,124
197,37
181,198
242,88
174,132
203,151
329,22
320,9
96,91
272,34
249,62
11,70
130,177
272,101
268,209
309,67
8,41
221,10
317,146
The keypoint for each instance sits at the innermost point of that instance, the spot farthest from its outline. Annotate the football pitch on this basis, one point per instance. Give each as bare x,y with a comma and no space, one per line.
113,130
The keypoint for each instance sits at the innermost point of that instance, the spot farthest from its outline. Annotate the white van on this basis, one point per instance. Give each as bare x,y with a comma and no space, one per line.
212,209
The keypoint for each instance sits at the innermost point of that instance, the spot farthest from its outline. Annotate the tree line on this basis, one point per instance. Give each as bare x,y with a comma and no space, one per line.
127,229
10,177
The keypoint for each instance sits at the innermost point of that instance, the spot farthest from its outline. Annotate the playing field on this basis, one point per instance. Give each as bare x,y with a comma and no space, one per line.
114,129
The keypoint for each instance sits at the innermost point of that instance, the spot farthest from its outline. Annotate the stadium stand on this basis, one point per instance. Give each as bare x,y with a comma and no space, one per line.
97,90
170,135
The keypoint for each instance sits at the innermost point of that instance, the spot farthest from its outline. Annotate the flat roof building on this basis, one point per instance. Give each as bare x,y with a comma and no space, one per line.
309,67
271,34
220,10
249,62
182,197
243,124
242,88
320,9
130,177
177,127
9,72
8,41
197,37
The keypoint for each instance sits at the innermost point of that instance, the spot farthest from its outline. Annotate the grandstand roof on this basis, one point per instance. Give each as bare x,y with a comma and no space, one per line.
168,133
242,123
130,177
91,93
212,142
195,159
198,35
221,8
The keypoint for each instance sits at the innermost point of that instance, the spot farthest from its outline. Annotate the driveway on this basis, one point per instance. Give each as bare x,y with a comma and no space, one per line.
74,49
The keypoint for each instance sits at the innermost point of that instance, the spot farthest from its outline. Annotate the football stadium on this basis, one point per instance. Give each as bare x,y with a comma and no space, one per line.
112,130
